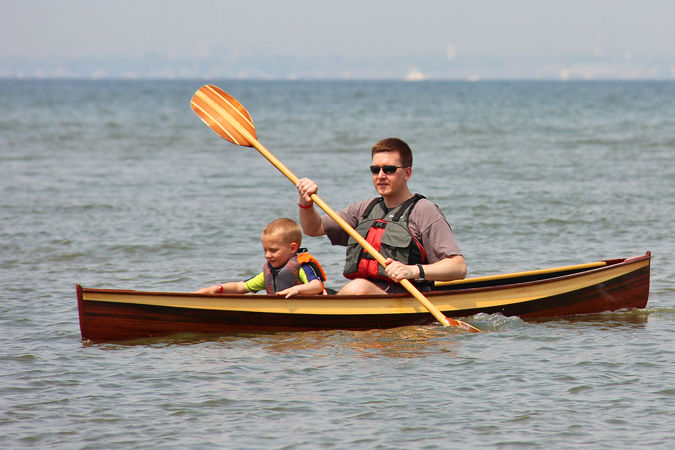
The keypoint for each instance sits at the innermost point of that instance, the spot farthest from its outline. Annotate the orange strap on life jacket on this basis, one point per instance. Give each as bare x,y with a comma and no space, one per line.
307,258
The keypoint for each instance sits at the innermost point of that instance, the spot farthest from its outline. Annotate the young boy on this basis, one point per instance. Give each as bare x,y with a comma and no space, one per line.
286,272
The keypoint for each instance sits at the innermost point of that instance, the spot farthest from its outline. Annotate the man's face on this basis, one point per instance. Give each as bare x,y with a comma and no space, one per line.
390,185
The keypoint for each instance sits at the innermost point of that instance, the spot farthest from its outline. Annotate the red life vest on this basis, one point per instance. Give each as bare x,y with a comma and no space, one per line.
389,233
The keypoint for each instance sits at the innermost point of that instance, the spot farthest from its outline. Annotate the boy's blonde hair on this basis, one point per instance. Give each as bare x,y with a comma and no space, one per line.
287,228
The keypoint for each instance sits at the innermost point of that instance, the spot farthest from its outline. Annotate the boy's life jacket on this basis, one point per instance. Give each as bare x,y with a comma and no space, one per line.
289,275
389,233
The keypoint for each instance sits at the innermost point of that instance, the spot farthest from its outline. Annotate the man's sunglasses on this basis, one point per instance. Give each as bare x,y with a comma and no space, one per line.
388,170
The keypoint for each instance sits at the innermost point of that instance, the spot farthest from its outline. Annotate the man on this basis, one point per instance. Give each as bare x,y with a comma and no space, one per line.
409,230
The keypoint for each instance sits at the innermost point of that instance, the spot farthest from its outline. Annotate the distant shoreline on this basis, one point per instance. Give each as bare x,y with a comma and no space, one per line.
333,80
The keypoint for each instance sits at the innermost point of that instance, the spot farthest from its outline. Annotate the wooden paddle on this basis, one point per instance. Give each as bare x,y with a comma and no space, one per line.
230,120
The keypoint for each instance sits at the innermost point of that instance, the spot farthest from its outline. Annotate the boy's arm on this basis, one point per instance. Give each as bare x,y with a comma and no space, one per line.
233,287
313,287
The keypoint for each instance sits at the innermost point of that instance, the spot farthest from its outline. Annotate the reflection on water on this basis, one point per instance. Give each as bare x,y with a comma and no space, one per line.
607,319
404,342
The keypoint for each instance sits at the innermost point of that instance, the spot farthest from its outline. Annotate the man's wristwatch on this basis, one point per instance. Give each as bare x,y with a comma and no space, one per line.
421,276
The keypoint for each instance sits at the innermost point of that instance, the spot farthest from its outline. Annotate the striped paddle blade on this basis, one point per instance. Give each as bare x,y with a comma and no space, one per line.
213,106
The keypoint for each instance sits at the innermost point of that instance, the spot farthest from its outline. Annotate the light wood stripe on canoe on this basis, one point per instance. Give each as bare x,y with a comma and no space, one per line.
520,274
518,294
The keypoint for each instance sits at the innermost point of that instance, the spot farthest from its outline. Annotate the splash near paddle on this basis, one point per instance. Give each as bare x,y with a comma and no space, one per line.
230,120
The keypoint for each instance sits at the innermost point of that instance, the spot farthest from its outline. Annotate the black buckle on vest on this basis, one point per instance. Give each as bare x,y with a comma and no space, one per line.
410,203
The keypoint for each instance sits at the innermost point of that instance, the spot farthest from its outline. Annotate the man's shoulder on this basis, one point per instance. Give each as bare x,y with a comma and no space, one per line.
365,202
357,208
351,213
424,205
427,214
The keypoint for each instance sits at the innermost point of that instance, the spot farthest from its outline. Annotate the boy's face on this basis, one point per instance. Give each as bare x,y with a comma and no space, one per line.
277,251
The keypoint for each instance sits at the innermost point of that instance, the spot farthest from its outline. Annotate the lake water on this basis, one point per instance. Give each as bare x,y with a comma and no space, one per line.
117,184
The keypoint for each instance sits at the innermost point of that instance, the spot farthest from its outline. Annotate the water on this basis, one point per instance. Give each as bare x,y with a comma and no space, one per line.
117,184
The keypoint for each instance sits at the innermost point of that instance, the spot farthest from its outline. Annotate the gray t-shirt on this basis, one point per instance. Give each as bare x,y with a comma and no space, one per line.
427,224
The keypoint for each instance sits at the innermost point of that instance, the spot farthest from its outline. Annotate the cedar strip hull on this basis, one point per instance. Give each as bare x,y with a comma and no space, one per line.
113,315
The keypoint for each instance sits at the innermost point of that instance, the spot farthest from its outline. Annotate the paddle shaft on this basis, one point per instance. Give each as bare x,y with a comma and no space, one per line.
349,229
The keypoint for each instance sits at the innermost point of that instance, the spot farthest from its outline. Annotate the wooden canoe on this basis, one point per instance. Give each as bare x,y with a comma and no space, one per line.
609,285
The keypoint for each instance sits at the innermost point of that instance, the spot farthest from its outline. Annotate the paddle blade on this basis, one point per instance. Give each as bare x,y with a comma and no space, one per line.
220,111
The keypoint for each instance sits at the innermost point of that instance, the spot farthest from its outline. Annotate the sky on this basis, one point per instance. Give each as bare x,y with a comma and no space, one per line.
289,39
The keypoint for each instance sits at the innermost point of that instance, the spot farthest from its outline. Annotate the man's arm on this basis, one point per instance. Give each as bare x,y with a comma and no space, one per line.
310,220
447,269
